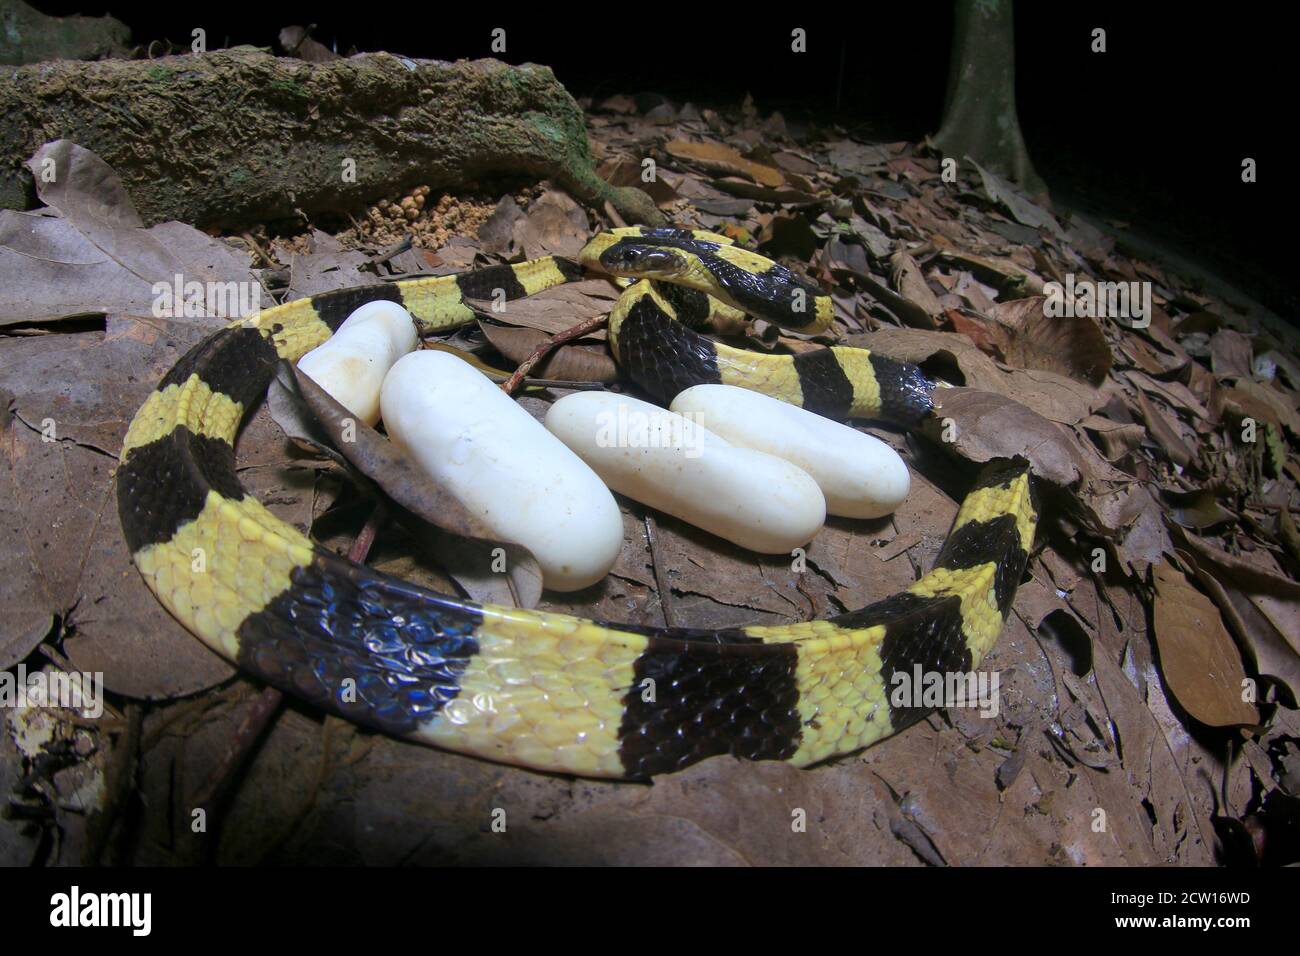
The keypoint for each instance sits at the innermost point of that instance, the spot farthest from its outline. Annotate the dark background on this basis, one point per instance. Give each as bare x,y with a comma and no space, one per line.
1151,133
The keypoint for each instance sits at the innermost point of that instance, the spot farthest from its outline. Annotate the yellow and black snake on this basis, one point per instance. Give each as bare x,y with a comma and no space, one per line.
536,689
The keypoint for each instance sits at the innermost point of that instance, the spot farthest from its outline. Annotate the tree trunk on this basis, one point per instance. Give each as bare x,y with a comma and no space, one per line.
979,118
239,136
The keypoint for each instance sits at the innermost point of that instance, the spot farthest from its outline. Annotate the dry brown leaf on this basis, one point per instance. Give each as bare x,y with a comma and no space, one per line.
858,158
1005,194
1150,360
1175,394
318,272
1055,397
1162,762
1052,396
627,171
496,236
87,252
1012,280
1117,438
748,190
715,157
555,310
569,363
1231,354
1262,608
554,225
1074,347
987,426
1163,432
908,311
911,285
1197,509
1200,662
1264,403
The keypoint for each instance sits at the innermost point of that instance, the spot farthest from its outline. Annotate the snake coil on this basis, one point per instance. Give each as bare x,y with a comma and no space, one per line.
552,691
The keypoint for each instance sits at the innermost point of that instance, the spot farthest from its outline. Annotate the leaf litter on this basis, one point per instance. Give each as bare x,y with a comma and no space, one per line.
1164,580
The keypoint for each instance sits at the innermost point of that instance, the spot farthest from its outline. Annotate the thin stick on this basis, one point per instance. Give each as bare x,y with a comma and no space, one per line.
582,328
268,703
555,383
366,539
240,745
396,248
661,575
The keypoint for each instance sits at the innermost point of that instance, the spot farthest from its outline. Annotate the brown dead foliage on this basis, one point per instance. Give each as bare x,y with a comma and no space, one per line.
1163,586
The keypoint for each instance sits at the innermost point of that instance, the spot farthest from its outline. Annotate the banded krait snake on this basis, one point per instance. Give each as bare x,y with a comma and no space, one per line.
543,690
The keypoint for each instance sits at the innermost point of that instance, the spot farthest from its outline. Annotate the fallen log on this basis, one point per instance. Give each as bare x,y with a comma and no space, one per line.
29,36
239,136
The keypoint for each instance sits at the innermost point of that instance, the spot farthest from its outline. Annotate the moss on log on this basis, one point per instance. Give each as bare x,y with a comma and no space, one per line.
29,36
240,136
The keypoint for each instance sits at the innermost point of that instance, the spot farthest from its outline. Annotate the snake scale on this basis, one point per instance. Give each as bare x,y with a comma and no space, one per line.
542,690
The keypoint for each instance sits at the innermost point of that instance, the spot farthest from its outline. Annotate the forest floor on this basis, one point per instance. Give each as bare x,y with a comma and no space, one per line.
1148,674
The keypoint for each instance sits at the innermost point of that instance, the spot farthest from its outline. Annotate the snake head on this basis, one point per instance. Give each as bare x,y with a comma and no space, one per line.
643,261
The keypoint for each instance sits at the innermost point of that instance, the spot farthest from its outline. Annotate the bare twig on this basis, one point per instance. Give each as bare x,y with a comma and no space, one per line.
366,539
262,253
268,704
582,328
395,249
661,574
239,746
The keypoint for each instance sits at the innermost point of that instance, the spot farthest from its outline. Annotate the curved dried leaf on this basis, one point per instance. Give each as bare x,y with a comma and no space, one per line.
1262,608
1009,278
1003,193
1164,432
715,157
572,363
986,425
1052,396
1197,509
911,285
555,309
1200,662
748,190
1231,354
1249,398
1117,438
1072,346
